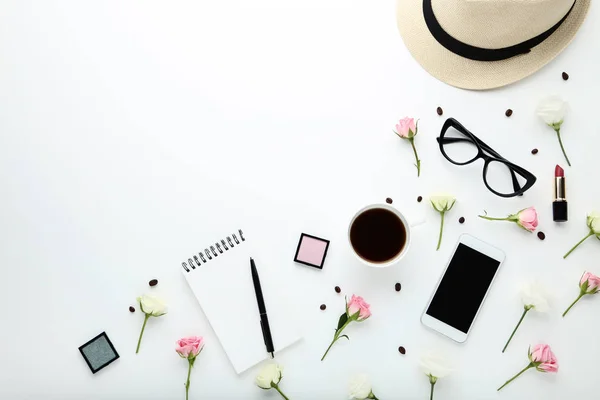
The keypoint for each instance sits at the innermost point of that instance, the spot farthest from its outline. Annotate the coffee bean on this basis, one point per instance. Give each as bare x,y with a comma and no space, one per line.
565,76
508,112
153,282
398,286
402,350
420,199
337,289
534,151
389,200
461,220
323,307
541,235
131,309
440,111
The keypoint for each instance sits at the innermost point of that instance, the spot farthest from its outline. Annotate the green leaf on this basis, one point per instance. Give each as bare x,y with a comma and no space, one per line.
451,205
342,321
434,207
346,336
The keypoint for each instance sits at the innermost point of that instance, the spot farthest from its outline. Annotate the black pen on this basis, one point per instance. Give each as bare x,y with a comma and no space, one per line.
262,310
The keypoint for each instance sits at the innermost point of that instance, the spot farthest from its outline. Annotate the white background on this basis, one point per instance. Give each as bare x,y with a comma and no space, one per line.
119,119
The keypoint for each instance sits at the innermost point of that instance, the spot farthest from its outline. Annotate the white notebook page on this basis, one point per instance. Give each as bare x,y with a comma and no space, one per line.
225,291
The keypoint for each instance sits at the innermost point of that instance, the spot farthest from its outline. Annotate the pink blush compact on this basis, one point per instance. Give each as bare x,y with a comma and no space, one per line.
311,251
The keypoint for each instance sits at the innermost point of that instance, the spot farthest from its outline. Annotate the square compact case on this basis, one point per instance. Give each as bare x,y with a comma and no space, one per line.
311,251
98,352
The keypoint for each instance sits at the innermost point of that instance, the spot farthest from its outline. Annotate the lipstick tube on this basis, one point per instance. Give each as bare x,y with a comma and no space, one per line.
559,205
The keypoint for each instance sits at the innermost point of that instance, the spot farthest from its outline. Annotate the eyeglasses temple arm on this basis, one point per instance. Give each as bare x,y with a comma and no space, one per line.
516,185
482,144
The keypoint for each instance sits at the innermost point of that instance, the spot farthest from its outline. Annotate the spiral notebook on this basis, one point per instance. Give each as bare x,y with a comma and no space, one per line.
220,277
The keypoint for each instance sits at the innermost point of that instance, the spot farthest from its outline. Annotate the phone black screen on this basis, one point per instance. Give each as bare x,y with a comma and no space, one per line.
463,288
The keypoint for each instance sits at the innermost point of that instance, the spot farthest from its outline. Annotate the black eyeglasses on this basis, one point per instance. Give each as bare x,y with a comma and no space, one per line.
461,147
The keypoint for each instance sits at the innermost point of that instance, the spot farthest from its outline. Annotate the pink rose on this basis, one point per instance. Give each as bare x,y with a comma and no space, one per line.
528,219
406,128
190,347
541,358
588,284
593,283
357,310
542,354
358,305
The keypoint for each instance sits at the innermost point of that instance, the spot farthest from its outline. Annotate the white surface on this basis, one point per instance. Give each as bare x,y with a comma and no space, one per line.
116,116
483,248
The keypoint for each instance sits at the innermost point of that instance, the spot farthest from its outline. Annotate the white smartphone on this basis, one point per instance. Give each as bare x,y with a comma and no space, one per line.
460,293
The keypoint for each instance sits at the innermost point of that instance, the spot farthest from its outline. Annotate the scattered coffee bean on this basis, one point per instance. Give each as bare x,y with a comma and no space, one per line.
541,235
534,151
337,289
565,76
131,309
440,111
508,112
398,286
402,350
420,199
323,307
389,200
153,282
461,220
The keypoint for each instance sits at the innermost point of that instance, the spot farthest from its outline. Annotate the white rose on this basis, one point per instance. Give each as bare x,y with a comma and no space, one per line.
552,111
270,373
534,295
360,387
434,365
593,222
442,202
152,305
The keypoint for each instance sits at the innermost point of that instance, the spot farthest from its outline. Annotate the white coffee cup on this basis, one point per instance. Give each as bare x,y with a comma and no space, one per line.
398,256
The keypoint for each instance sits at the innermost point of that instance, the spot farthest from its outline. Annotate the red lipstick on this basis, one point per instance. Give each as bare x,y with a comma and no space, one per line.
559,205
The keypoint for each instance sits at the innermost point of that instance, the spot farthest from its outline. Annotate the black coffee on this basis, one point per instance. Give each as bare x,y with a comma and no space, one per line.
378,235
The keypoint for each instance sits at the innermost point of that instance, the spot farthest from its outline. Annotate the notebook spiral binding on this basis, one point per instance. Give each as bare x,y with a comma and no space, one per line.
211,252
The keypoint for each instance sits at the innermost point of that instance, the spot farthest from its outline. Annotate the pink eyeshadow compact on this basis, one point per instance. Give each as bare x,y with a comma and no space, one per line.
311,251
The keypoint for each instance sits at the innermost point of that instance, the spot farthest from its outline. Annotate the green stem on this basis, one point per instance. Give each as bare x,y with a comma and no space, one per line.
516,376
335,338
516,327
142,333
442,213
372,396
329,348
561,146
578,243
418,162
493,219
280,392
431,392
573,303
187,383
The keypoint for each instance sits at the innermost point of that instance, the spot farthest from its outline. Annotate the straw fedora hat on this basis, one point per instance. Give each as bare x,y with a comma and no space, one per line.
484,44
